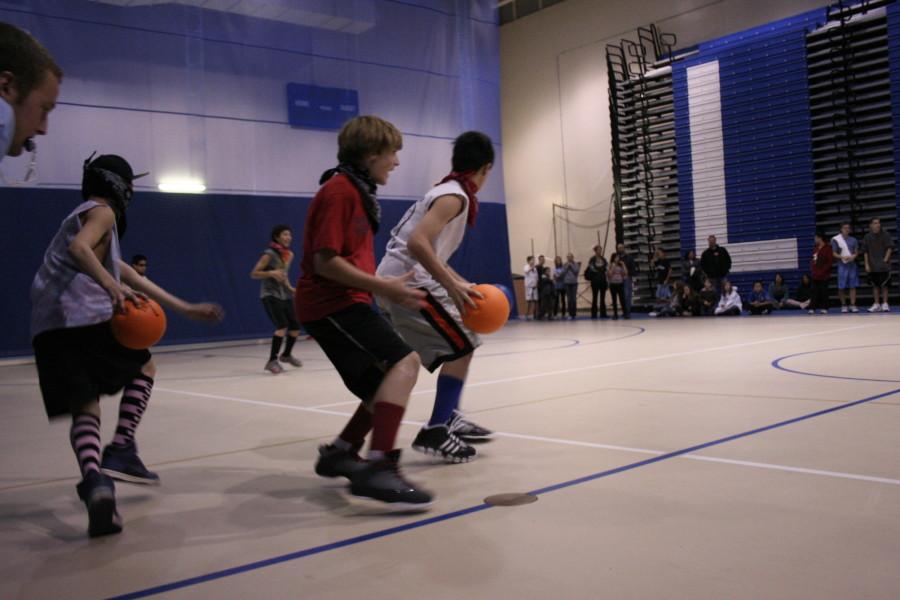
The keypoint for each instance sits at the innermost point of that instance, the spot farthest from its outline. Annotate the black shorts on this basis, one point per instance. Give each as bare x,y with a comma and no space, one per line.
361,345
281,312
77,365
879,280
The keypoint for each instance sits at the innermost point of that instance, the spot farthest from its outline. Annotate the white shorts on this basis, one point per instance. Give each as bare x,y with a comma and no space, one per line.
531,294
436,332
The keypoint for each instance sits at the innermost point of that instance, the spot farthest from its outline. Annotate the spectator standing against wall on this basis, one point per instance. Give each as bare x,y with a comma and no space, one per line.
617,275
531,287
820,266
570,277
715,262
877,248
632,271
595,273
846,249
559,283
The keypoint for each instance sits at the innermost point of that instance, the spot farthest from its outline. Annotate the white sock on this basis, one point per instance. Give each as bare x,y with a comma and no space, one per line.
342,444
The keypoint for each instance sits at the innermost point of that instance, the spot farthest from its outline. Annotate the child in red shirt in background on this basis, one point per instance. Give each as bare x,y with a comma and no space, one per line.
334,303
820,266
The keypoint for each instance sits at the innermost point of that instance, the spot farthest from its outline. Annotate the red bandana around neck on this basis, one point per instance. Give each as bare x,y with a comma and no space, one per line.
464,179
284,251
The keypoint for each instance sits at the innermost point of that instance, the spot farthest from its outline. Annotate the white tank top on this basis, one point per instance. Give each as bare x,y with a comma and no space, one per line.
64,296
397,259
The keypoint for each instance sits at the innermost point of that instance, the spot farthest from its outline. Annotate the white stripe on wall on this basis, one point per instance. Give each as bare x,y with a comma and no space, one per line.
708,177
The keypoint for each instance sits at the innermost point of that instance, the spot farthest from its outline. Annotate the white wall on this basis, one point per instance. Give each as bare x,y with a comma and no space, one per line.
554,107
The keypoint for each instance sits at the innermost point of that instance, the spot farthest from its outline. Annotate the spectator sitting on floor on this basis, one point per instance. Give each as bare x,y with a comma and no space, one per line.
730,304
759,300
709,298
689,300
778,292
663,269
691,271
802,297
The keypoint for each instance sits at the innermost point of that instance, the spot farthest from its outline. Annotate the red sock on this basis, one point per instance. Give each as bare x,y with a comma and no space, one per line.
385,423
358,427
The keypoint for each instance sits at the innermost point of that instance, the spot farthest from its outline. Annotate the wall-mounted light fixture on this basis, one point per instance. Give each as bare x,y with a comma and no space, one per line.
182,186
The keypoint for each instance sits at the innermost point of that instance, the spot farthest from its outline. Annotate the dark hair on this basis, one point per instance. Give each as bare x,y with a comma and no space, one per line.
278,230
805,277
820,235
847,223
138,258
777,275
25,58
471,151
687,254
527,258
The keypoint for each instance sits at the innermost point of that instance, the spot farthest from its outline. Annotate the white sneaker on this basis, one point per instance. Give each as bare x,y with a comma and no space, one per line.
812,312
853,308
652,314
885,307
875,308
844,309
823,311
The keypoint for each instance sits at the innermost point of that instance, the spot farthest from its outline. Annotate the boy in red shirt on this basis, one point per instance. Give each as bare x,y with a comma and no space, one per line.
334,303
820,266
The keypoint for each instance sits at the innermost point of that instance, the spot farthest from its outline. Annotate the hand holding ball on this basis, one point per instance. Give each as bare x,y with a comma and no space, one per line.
139,327
490,313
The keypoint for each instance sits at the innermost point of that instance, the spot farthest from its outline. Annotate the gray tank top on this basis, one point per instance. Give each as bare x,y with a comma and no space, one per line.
62,295
272,288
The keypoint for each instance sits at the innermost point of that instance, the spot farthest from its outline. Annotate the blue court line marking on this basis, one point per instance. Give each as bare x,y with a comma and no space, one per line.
777,364
480,507
574,342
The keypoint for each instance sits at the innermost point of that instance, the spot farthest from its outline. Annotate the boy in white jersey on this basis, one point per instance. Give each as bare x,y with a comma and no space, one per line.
423,241
81,283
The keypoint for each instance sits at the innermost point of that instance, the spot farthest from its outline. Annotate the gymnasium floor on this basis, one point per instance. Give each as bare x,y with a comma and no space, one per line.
670,459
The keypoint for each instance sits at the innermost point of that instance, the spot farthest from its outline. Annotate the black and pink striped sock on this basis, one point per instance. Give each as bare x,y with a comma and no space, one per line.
131,409
85,438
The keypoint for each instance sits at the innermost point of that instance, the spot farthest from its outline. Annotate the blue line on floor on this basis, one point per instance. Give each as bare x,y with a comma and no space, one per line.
777,364
480,507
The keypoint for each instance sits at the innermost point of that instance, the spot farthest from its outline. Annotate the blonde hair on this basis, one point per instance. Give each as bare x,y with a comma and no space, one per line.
365,135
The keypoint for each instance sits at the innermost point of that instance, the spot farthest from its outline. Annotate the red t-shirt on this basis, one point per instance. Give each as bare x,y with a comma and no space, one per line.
821,262
336,220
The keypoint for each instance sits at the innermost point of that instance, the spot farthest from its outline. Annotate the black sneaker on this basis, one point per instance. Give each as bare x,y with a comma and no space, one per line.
334,462
466,429
124,464
440,441
381,480
98,493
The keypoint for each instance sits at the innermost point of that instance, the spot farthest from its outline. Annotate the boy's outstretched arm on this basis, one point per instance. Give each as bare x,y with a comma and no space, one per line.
200,311
421,246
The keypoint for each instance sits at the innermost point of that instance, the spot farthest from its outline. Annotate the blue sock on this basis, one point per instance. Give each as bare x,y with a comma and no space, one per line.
449,390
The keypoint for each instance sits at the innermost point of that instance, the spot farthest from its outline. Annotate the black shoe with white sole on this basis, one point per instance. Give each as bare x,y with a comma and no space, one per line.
466,429
382,480
440,441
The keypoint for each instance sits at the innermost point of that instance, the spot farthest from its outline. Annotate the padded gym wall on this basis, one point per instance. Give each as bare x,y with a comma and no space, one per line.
745,171
186,92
